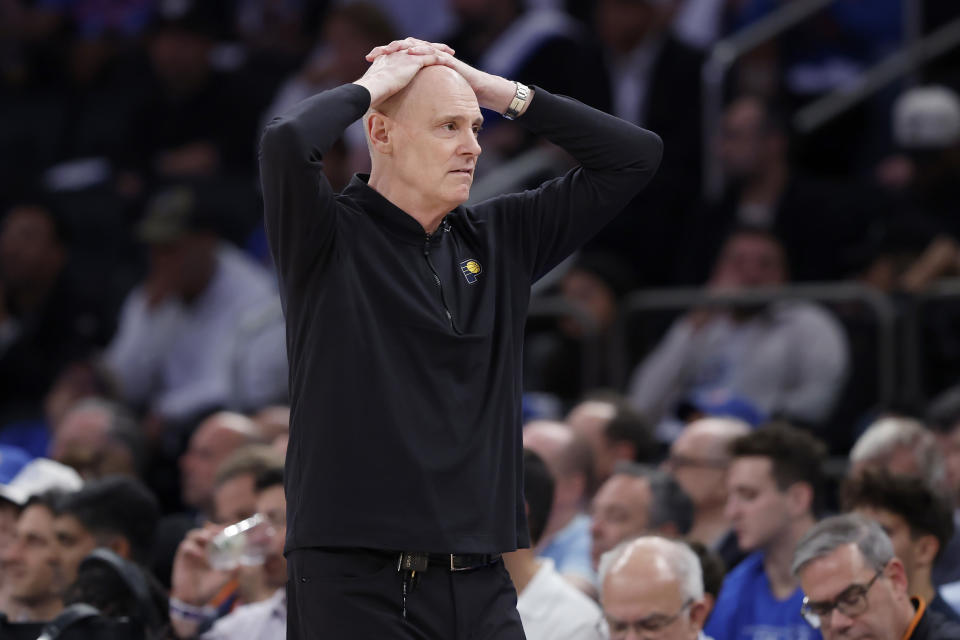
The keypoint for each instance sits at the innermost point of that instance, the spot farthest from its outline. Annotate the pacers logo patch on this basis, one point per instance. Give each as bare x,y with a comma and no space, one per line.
471,269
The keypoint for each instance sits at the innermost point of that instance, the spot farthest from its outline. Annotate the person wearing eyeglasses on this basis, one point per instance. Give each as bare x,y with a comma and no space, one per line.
699,459
651,588
856,588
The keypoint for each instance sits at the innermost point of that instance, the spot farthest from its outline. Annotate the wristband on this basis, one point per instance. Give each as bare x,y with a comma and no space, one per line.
518,103
184,611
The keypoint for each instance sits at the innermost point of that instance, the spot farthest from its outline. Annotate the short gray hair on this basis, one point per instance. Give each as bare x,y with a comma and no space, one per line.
886,434
837,531
669,504
683,562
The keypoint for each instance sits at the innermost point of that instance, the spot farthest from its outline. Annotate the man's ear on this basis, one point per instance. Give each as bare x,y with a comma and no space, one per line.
800,498
379,130
698,613
121,546
925,549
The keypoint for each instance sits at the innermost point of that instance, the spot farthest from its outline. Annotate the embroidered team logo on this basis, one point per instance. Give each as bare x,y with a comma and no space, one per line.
471,269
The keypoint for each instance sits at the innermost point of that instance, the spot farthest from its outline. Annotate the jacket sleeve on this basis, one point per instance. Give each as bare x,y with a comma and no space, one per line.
299,205
617,159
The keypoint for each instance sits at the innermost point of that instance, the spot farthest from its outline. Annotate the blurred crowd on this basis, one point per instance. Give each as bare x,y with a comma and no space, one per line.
143,369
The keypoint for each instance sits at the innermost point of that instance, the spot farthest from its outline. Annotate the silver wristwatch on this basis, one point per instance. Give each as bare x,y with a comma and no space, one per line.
519,101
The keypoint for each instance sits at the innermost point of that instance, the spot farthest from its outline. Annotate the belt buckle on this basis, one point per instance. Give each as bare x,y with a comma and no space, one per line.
455,568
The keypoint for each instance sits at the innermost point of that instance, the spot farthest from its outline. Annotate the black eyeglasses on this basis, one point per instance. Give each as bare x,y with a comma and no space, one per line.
851,602
618,629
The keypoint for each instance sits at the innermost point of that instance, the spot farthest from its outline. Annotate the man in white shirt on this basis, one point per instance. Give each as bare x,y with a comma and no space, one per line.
175,350
550,607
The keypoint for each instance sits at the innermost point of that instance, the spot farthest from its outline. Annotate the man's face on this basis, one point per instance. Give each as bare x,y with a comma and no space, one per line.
434,139
590,420
81,442
631,595
235,499
31,564
620,510
697,468
73,543
756,508
209,446
742,139
824,580
750,260
273,505
898,531
29,249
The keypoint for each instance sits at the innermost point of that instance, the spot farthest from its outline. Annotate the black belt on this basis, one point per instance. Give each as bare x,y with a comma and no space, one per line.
419,561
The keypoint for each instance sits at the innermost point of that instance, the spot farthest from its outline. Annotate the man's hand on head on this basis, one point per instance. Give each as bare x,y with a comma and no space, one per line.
493,92
391,72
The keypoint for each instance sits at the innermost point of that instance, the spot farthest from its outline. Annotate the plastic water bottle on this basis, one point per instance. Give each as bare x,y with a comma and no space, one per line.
244,543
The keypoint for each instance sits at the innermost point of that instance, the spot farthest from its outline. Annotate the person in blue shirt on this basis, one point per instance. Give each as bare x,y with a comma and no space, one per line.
773,483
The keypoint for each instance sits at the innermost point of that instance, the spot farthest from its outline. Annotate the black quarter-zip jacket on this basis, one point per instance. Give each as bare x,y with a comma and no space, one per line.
405,348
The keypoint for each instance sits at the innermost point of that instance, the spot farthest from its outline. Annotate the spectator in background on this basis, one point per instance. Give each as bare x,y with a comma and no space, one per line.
581,352
550,607
774,483
176,344
86,379
116,512
943,418
789,358
901,446
99,438
904,446
918,521
566,538
234,497
857,587
636,501
545,47
652,586
214,440
615,432
654,82
192,120
33,583
43,324
349,32
264,620
818,222
700,461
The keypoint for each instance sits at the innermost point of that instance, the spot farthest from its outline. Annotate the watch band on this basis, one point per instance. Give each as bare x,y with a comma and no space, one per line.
518,103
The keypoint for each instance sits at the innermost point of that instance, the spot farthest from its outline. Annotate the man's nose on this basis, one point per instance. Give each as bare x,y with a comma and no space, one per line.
470,143
838,620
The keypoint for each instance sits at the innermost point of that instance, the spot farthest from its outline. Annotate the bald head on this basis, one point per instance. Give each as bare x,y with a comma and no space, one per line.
213,441
430,84
712,436
652,578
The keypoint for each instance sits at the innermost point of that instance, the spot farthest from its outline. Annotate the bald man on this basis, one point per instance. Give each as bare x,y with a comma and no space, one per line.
405,312
214,440
652,587
699,459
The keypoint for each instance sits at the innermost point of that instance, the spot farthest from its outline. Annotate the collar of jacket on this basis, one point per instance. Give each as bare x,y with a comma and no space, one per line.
397,221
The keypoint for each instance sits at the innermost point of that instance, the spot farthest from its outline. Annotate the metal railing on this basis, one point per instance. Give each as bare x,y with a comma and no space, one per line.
727,51
878,303
903,62
722,57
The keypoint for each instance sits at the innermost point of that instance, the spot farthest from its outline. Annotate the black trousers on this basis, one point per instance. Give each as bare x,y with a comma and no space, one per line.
357,594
